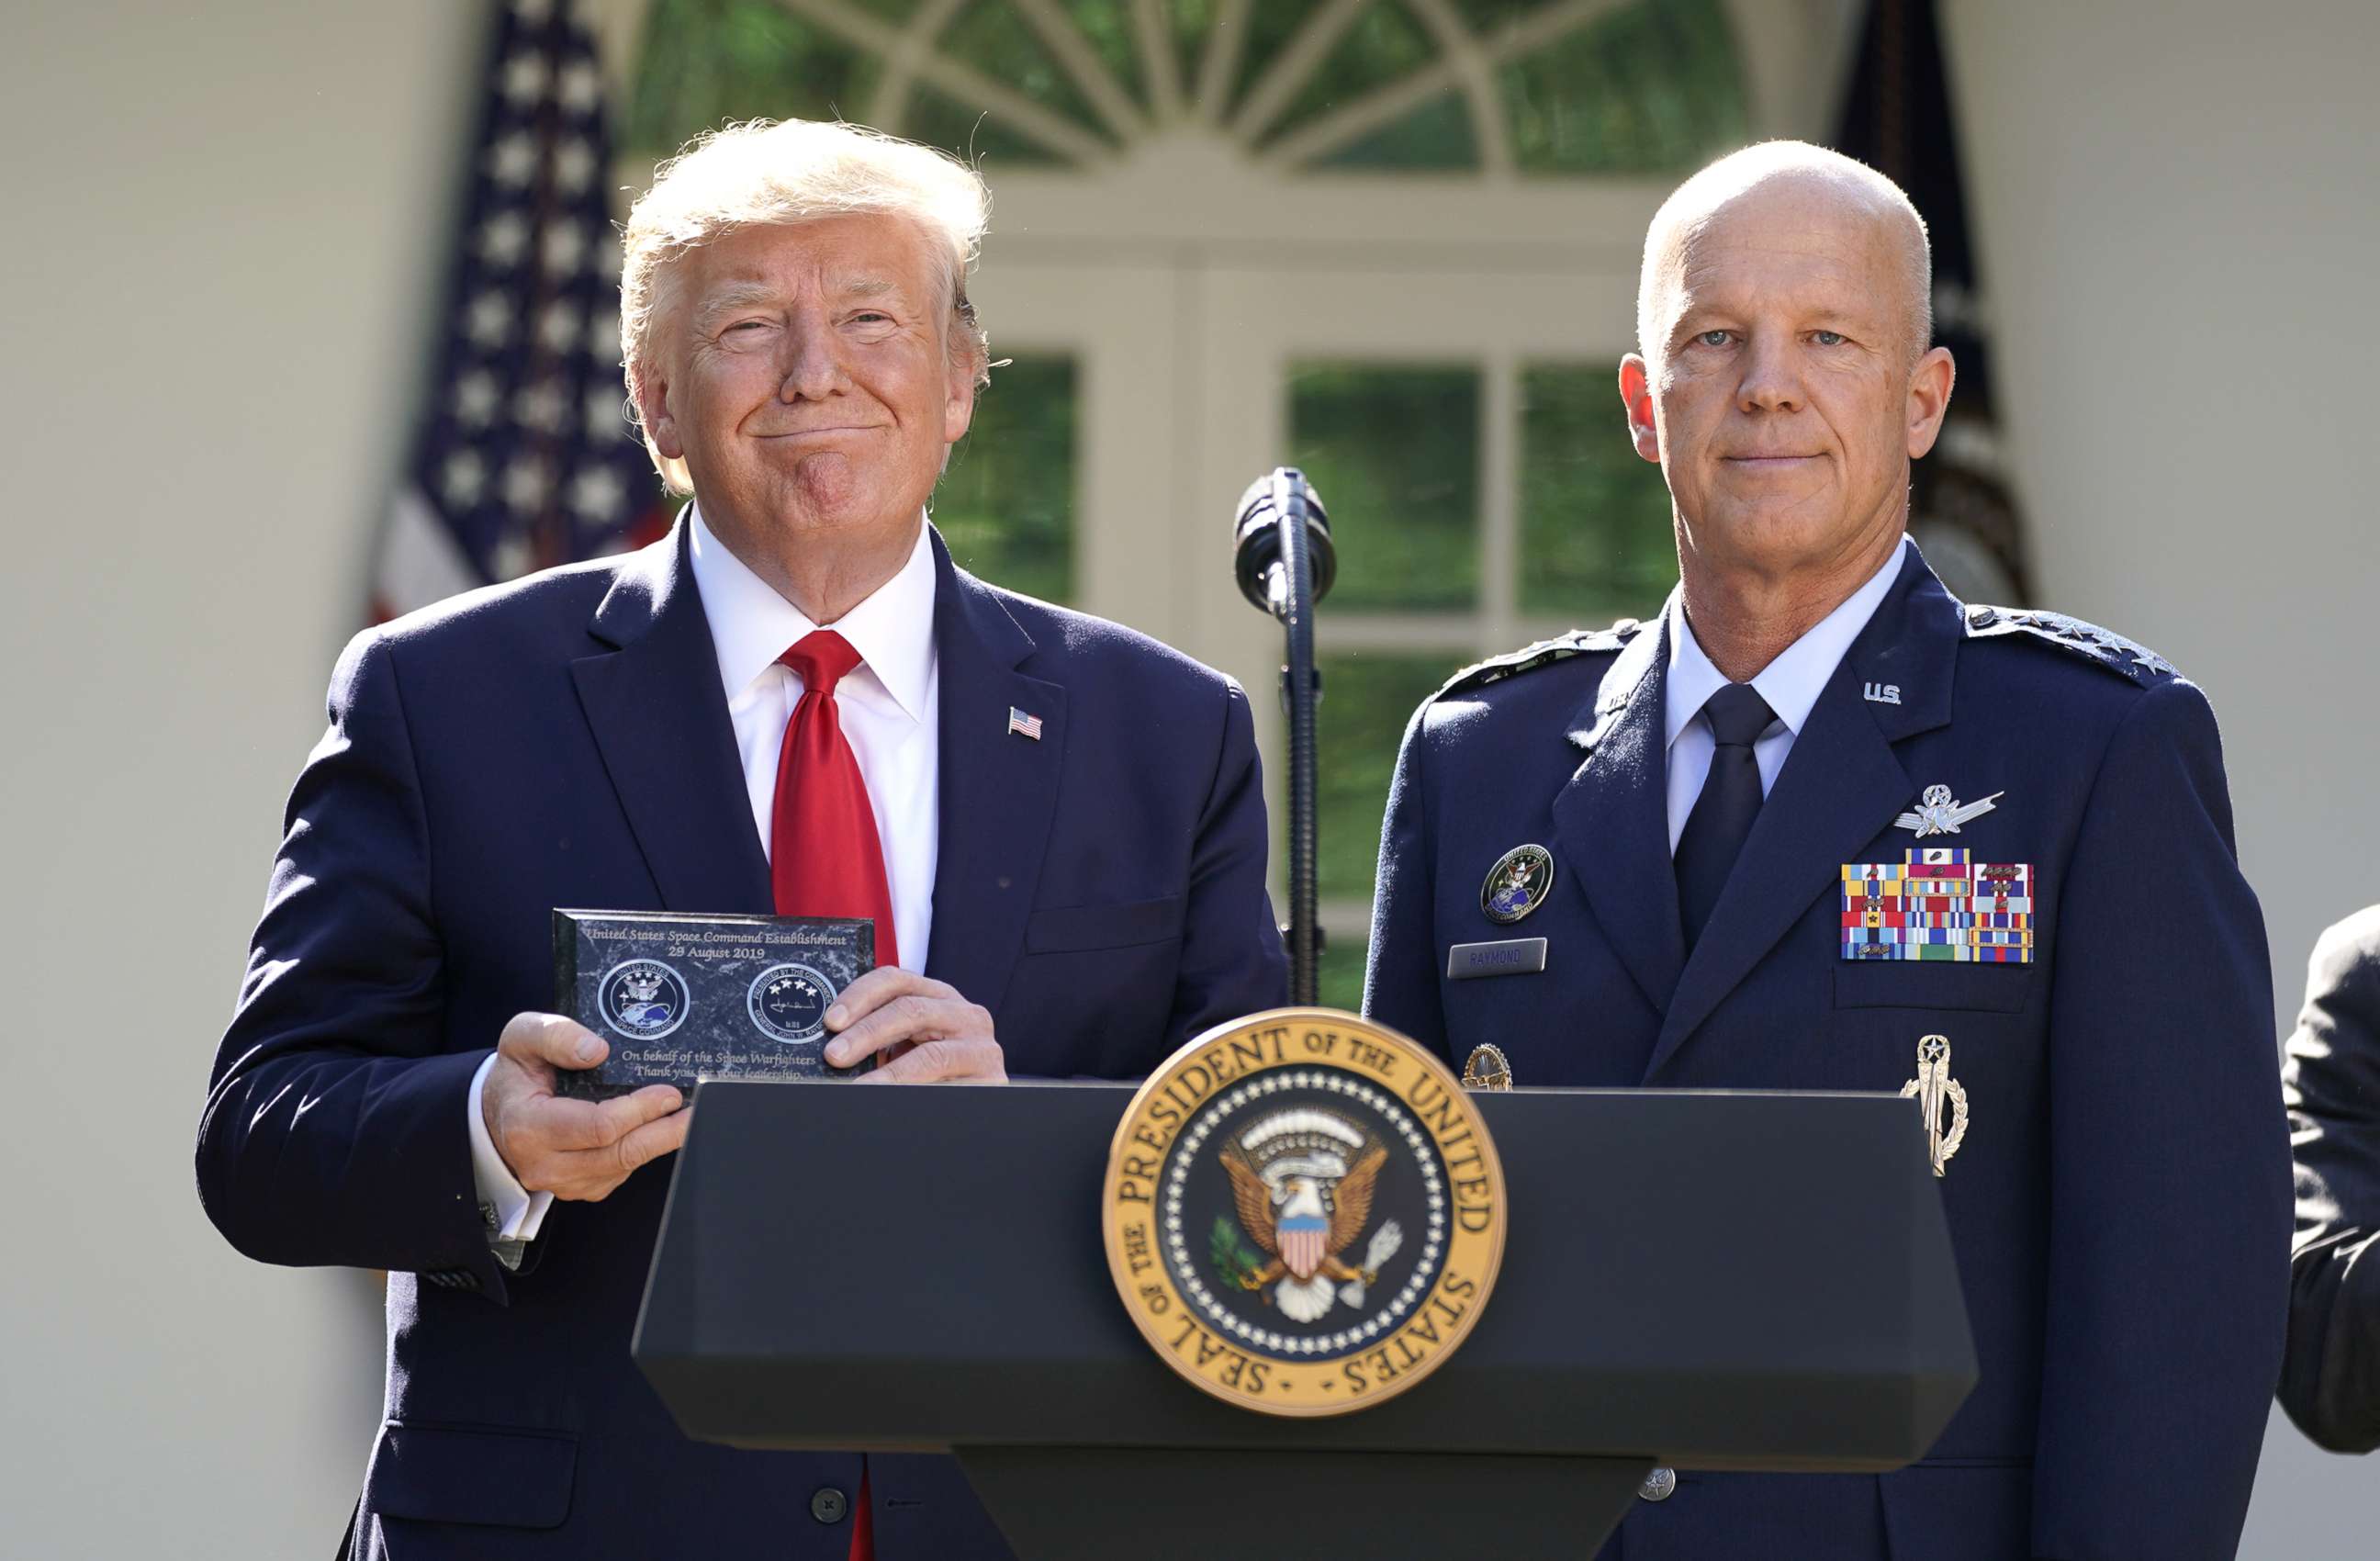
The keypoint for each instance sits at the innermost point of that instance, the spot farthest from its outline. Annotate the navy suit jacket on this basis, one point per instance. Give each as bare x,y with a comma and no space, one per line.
564,741
2120,1206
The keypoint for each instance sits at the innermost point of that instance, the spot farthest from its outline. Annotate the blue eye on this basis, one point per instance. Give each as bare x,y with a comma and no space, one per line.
1714,338
1828,338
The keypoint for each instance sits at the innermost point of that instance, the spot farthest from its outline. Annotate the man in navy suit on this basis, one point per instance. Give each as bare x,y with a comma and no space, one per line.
793,702
1823,826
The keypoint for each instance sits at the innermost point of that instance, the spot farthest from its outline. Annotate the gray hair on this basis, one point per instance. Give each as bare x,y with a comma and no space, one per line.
1693,203
781,172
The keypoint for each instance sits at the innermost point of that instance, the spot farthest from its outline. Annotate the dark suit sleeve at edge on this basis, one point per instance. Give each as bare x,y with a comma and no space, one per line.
1233,962
2330,1378
1400,979
335,1129
2169,1199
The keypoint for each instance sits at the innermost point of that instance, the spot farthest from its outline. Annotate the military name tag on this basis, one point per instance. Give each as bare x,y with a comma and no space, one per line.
1939,904
687,998
1303,1212
1512,956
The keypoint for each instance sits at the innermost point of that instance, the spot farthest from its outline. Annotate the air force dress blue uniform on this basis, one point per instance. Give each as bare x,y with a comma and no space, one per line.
2120,1202
564,741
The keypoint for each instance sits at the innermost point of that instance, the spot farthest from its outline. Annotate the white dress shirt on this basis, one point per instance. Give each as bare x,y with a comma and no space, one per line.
1790,684
889,706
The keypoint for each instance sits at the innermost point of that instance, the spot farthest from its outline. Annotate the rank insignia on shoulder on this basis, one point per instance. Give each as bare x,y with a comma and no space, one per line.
1939,904
1544,653
2103,648
1517,884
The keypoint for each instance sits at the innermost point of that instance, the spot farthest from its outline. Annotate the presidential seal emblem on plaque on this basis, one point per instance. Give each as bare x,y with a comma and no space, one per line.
1303,1212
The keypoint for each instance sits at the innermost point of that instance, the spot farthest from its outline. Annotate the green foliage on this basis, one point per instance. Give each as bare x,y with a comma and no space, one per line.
1367,699
1339,974
1234,1263
704,62
1006,506
1653,88
1394,451
1595,515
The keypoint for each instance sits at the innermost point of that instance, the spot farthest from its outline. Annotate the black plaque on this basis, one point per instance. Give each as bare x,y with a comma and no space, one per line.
687,998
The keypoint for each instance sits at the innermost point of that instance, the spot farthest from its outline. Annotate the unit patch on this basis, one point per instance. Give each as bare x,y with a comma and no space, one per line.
1939,904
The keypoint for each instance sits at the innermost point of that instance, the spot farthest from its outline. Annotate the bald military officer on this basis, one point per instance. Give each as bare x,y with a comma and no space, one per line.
1820,811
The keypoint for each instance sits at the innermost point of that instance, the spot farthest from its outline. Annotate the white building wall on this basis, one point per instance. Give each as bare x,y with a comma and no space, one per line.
226,239
2179,207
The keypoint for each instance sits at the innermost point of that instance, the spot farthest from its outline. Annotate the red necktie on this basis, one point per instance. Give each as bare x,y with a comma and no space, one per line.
824,858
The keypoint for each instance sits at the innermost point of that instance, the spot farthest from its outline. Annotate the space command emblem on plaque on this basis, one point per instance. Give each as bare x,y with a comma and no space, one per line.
1303,1212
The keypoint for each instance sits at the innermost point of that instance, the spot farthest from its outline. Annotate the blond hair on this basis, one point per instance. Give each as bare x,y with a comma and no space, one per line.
775,173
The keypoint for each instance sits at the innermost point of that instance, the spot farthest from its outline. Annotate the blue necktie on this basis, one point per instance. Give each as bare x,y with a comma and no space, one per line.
1723,814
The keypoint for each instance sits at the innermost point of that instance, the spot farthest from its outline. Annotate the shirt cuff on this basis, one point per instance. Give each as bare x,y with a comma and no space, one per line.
519,1211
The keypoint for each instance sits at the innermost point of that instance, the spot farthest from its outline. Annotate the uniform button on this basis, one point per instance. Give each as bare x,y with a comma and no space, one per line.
1659,1484
827,1505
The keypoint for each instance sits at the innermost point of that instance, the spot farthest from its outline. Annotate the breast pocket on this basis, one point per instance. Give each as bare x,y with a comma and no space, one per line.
1073,929
1924,984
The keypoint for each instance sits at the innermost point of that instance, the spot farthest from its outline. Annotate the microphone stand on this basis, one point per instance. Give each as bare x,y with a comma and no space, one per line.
1301,691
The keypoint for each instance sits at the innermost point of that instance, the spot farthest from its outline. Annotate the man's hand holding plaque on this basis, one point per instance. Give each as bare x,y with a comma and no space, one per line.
918,1029
574,1149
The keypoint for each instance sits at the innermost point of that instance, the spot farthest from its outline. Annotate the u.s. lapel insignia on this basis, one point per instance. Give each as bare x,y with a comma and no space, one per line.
1941,1097
1517,884
1022,723
1938,813
1486,1069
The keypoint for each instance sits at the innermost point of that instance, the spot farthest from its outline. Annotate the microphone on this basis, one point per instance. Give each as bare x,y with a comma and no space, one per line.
1280,497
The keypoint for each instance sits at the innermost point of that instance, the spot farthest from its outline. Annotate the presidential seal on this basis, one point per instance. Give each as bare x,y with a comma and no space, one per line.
643,999
1303,1212
788,1003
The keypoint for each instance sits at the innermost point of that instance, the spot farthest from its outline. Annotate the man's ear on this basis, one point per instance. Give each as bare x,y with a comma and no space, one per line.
958,401
1637,394
1929,398
653,411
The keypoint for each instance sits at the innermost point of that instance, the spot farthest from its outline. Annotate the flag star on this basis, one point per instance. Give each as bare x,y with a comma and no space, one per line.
476,395
573,164
603,339
607,261
582,86
527,484
513,557
533,10
559,328
564,246
597,494
465,477
503,237
489,322
512,162
606,409
539,406
525,77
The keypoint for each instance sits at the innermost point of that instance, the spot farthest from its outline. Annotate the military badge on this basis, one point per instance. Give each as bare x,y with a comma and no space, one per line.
1303,1212
1942,1098
1939,904
1486,1069
1517,884
1938,813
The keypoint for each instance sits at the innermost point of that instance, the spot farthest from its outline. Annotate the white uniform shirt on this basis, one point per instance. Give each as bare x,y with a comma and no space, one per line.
889,706
1790,684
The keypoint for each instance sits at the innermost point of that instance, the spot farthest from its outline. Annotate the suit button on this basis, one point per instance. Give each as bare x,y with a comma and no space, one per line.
827,1505
1659,1484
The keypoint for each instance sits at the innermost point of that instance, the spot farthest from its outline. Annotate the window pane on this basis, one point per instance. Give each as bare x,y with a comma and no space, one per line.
1006,506
1653,88
1367,699
1436,136
704,62
1394,451
989,37
1382,46
1595,515
1339,974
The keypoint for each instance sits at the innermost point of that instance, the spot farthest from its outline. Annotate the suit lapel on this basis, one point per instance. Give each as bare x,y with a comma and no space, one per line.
1611,821
659,719
997,789
1841,786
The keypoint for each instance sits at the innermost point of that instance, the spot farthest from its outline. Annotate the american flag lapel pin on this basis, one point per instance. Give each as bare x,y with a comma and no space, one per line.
1023,725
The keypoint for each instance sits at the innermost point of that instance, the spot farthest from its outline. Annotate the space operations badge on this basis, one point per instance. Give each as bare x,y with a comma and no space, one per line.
1939,903
1303,1212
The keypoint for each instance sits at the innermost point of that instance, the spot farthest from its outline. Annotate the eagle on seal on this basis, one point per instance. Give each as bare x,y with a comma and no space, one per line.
1301,1180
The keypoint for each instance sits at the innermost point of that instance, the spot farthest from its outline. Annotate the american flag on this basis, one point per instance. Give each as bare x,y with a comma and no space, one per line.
524,458
1023,724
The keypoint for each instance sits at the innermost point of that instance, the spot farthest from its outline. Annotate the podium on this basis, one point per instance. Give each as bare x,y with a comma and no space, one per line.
1704,1280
